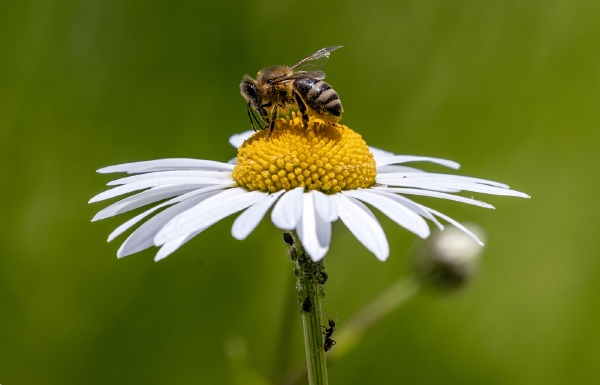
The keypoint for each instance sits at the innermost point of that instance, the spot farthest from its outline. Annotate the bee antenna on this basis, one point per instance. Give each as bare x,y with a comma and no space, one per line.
257,122
251,115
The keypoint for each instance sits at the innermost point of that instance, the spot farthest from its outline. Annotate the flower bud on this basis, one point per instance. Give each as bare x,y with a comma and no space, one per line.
448,259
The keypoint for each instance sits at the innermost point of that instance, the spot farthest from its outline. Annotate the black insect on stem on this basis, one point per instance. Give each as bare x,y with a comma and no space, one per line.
323,277
328,343
329,330
307,305
287,238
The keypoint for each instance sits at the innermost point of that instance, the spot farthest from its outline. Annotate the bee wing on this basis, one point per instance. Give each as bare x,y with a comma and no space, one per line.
315,61
320,75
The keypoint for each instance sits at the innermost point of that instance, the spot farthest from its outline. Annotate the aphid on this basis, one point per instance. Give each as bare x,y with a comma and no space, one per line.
287,238
307,305
278,89
323,277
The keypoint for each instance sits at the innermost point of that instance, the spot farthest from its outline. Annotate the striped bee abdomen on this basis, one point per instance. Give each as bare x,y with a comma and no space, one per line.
321,99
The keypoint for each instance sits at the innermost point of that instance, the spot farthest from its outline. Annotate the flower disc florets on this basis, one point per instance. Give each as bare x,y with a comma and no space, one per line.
323,156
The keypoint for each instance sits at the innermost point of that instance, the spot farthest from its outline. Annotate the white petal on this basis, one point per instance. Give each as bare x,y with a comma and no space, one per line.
394,168
125,189
238,139
314,233
323,229
233,161
435,194
142,199
167,165
247,221
445,177
207,213
143,237
362,223
417,208
325,209
288,210
211,190
437,185
458,225
395,159
379,153
440,189
172,174
394,210
172,246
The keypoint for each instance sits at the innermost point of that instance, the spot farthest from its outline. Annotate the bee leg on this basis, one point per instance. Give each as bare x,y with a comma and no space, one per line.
273,117
302,108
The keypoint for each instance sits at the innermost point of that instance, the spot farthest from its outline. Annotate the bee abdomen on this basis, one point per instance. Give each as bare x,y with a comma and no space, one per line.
320,97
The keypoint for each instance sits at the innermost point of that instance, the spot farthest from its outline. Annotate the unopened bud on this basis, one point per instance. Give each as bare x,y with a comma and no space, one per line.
448,259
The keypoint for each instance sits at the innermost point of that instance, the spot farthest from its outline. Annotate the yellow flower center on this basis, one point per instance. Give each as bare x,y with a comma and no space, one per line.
324,156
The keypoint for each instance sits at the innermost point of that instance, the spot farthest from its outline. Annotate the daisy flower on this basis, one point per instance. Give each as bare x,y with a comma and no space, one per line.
310,177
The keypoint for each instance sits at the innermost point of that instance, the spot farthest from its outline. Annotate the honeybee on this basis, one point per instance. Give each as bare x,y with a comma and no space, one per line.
278,89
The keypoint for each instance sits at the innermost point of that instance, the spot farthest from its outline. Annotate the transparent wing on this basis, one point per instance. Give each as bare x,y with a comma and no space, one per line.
315,61
300,75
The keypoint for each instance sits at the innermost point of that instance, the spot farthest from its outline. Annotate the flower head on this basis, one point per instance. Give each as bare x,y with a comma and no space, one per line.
309,176
327,158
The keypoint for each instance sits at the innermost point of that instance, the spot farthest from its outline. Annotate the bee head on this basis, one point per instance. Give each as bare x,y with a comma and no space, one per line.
249,90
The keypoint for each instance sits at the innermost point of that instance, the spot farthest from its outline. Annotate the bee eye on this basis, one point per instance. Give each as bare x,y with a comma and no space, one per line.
251,92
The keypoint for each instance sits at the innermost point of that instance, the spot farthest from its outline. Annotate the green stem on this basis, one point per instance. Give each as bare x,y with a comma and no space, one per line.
353,331
310,279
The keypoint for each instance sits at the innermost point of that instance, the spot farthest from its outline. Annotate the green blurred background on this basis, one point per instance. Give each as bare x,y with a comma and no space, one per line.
510,89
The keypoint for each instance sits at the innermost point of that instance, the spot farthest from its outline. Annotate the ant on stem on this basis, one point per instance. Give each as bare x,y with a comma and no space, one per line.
328,344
